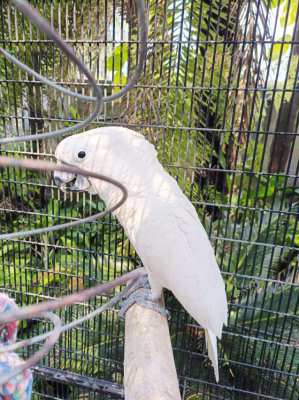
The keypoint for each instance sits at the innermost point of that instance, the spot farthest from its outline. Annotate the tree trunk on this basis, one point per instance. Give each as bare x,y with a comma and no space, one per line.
288,114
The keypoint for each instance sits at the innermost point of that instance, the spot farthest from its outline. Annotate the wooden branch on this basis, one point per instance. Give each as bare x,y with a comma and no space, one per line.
149,365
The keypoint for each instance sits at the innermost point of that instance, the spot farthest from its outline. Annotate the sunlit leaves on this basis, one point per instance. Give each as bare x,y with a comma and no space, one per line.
116,63
118,58
289,12
278,49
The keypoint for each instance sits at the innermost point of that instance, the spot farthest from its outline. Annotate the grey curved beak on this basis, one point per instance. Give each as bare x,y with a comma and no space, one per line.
58,181
70,182
63,179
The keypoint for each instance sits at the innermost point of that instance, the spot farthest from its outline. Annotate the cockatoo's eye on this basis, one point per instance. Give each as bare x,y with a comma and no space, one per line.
81,154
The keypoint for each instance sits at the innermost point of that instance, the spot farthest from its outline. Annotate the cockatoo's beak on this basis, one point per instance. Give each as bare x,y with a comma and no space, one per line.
70,182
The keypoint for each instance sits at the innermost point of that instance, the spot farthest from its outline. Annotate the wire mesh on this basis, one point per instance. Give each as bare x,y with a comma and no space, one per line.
219,99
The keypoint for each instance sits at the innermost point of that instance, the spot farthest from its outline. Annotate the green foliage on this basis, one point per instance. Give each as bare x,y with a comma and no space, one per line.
289,12
115,64
278,49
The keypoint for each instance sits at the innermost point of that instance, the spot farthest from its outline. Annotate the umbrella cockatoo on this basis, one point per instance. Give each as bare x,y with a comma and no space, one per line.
158,218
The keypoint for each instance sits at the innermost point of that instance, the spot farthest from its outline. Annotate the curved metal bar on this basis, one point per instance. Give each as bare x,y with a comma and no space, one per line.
71,325
53,336
142,34
45,27
38,165
48,345
84,295
43,79
59,132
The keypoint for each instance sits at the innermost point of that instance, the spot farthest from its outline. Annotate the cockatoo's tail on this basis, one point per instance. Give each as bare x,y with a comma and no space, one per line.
158,218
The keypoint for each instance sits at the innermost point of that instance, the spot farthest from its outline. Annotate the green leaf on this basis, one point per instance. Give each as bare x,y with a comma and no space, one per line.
289,10
278,49
119,57
119,80
74,112
273,3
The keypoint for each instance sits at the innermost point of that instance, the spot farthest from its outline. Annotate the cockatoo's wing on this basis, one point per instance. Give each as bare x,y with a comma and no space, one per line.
176,251
208,286
178,255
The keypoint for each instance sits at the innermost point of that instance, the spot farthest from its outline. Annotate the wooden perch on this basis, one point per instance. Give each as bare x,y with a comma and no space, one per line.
150,372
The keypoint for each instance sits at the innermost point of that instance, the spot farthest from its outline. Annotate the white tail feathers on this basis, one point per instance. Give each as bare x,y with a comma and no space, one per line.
211,343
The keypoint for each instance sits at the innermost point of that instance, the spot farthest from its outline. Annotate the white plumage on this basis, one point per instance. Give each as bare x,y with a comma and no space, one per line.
159,220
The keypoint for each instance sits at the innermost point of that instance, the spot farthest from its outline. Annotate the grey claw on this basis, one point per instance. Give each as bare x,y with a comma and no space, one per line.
140,293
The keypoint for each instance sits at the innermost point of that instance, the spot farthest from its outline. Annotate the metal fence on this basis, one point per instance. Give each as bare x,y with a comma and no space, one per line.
219,97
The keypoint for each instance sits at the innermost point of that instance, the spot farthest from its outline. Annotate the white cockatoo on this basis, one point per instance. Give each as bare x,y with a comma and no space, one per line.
158,218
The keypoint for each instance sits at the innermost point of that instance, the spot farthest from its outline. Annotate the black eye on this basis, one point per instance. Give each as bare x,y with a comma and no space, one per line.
81,154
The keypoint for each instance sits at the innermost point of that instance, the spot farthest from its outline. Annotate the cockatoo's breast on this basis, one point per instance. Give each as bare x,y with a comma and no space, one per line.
143,191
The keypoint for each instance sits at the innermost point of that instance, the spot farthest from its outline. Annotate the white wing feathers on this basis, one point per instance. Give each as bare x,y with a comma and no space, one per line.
208,303
178,255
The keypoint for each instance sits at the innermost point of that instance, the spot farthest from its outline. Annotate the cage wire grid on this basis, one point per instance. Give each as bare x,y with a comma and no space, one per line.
219,99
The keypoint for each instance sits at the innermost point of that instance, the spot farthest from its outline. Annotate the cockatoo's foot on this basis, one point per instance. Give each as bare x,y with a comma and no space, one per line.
141,294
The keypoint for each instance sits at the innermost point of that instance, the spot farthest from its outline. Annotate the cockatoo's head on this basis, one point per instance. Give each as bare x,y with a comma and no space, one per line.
77,150
113,151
